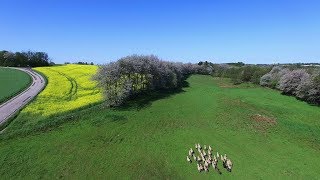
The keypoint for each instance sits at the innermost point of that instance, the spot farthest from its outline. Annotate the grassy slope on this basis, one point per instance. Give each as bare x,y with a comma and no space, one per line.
12,81
152,141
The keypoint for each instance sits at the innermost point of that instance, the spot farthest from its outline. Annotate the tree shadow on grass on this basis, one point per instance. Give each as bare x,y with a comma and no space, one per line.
311,103
145,99
138,102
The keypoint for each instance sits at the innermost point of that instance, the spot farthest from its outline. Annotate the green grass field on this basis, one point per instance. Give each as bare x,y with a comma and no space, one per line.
12,81
266,134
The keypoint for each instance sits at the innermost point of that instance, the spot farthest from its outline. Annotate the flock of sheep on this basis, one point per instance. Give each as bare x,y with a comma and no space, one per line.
205,159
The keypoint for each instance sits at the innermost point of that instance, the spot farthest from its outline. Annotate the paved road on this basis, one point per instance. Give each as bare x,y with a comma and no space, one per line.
12,106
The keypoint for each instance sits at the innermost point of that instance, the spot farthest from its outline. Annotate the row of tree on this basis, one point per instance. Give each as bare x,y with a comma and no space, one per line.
240,73
80,63
135,74
24,59
302,83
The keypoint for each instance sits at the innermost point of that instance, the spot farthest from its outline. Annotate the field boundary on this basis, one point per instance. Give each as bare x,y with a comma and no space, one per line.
6,121
3,101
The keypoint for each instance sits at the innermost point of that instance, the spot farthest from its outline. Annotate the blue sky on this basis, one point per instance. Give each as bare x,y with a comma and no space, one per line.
253,31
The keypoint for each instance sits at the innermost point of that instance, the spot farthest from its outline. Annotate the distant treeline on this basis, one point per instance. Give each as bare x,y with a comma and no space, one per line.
133,75
299,80
80,63
240,73
24,59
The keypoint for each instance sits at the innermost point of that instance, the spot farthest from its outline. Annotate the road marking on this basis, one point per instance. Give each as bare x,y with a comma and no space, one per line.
26,99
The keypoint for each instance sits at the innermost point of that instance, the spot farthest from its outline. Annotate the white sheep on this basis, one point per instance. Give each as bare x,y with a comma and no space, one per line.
205,147
209,161
206,169
202,157
214,165
199,159
210,149
188,159
229,165
194,157
204,153
191,150
218,155
200,167
224,161
206,163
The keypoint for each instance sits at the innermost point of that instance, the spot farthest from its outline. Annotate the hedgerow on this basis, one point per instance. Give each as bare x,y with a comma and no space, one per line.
135,74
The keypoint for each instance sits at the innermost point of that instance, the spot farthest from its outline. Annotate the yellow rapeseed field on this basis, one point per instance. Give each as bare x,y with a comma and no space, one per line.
69,87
